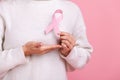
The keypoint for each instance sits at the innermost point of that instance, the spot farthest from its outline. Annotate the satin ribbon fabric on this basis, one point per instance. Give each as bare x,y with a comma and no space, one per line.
54,25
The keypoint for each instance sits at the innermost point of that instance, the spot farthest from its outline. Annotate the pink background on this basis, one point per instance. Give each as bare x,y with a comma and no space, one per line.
102,18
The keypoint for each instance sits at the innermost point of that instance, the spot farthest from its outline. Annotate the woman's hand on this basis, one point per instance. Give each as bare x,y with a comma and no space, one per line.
38,48
67,42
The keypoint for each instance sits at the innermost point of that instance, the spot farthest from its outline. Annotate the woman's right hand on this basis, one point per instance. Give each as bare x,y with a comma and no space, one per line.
33,47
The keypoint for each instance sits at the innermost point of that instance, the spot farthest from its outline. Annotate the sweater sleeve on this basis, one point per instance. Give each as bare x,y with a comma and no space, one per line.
9,58
80,54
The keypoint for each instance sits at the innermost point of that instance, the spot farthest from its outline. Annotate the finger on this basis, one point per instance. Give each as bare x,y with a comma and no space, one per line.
70,38
45,51
64,49
67,43
63,45
66,38
51,47
64,33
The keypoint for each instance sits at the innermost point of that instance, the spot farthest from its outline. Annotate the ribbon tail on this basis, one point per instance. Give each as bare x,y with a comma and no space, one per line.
56,30
50,27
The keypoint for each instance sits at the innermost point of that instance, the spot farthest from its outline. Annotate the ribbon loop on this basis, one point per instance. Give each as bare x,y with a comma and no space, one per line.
54,25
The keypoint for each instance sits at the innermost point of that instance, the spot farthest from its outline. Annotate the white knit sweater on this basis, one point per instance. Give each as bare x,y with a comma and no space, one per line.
22,22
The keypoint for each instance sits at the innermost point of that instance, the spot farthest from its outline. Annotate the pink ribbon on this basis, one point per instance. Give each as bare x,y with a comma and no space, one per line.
55,23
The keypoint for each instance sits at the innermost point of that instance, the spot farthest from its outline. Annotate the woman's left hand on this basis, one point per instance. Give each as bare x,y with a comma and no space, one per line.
67,41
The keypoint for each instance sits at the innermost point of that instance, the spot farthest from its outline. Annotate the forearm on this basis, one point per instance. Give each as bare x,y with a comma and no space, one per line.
11,58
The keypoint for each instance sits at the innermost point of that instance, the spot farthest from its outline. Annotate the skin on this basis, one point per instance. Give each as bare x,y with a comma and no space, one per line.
67,43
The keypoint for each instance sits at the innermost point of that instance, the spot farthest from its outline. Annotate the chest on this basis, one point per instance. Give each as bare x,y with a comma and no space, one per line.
29,23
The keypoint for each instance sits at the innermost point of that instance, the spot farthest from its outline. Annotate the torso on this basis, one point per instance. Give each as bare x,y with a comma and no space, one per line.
27,23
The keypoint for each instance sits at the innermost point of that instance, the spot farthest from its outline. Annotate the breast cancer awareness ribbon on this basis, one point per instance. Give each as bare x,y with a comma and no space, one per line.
54,25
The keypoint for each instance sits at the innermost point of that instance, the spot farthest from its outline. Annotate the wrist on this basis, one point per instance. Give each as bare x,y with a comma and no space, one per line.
26,52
